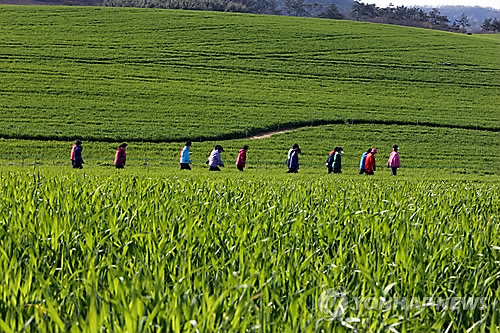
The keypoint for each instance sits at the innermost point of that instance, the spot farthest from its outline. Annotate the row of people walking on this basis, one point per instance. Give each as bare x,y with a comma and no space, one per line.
367,164
333,163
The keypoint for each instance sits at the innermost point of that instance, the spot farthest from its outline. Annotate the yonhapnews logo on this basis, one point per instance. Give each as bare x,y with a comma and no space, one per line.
334,303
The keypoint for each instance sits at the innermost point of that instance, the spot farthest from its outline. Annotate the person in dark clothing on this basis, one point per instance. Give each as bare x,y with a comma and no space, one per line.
295,146
337,162
121,156
76,155
331,159
293,164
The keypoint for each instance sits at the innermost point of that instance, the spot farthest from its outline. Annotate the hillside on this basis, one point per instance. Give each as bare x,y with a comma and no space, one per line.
167,75
476,15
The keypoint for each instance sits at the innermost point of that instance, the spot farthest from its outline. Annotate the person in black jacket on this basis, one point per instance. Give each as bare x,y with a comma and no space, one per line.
337,162
76,155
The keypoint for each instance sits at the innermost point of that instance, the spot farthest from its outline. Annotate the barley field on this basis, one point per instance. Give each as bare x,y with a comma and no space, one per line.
101,252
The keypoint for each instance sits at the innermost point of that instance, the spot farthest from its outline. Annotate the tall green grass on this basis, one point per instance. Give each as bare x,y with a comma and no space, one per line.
87,252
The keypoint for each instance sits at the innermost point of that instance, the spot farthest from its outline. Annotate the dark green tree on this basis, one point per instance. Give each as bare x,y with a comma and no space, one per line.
462,23
296,8
361,11
435,18
495,25
332,12
486,25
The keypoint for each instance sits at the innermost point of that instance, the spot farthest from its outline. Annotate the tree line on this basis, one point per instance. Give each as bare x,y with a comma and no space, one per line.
400,15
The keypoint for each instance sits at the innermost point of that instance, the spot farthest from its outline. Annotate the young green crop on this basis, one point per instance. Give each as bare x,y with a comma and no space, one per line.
85,252
137,74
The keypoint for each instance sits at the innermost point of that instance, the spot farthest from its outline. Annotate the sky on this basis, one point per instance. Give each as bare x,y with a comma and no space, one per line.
434,3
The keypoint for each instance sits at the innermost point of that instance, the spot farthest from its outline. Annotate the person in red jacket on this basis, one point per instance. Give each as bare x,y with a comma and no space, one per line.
121,156
370,165
242,158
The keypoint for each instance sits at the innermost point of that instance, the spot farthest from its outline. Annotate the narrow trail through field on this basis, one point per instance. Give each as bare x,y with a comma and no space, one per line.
266,135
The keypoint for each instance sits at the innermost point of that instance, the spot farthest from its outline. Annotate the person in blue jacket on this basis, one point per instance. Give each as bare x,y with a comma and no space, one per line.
293,163
362,168
185,158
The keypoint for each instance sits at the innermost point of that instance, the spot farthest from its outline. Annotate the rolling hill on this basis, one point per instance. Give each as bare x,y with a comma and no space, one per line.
160,75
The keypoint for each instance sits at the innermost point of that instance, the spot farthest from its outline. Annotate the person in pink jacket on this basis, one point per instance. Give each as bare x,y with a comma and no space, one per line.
242,158
394,163
121,156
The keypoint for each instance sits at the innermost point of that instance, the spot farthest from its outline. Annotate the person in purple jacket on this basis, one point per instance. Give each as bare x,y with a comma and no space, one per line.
214,160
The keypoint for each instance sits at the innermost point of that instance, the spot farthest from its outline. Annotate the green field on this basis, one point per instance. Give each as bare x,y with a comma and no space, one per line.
135,74
172,253
154,249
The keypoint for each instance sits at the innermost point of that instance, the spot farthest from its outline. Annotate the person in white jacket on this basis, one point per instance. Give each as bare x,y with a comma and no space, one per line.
214,160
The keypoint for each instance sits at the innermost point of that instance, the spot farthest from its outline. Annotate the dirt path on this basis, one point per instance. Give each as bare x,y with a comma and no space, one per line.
269,134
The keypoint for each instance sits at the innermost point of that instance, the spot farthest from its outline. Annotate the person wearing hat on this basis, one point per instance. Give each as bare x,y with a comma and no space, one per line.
370,165
185,158
214,160
394,163
362,168
76,155
121,156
